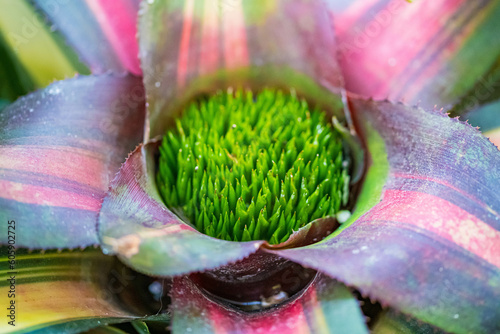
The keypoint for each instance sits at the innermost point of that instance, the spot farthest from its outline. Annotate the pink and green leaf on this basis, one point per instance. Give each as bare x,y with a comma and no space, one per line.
430,248
438,53
326,306
103,32
59,148
189,48
64,292
135,224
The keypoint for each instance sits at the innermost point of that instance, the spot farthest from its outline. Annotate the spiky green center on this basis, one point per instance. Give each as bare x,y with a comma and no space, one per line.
241,167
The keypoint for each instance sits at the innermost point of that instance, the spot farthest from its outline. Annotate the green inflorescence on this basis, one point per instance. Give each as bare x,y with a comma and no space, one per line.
246,167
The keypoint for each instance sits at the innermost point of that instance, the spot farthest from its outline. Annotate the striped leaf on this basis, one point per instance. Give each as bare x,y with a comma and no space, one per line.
135,224
430,247
103,32
37,53
438,53
326,306
62,292
194,47
59,148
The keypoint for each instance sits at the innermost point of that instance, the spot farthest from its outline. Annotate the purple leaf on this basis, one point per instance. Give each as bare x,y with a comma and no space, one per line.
430,248
59,148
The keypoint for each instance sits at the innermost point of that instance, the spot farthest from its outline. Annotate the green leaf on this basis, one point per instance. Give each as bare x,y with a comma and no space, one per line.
391,322
26,34
140,327
14,80
484,93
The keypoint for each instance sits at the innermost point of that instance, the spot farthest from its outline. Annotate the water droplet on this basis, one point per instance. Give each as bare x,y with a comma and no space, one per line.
456,316
155,288
342,216
54,91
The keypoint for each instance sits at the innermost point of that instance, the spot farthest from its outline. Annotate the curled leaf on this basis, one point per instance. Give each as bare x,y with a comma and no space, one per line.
135,225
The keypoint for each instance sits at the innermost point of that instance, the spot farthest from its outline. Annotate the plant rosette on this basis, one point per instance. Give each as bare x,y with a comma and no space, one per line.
269,186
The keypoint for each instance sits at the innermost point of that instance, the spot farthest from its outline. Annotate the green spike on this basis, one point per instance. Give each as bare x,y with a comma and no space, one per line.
217,210
252,226
274,220
251,210
245,190
261,201
241,211
274,240
263,223
242,166
232,196
256,232
238,230
199,221
246,235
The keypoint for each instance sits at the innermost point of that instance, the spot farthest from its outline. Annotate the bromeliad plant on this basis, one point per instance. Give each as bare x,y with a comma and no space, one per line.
247,203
